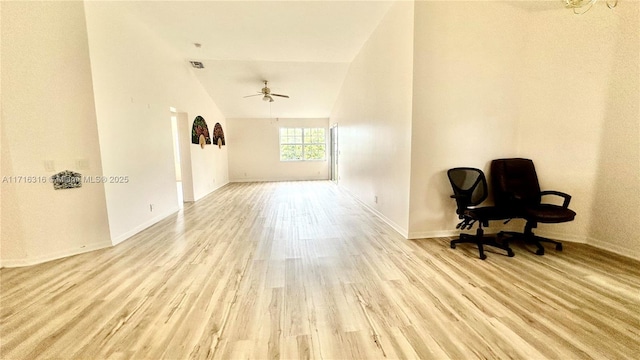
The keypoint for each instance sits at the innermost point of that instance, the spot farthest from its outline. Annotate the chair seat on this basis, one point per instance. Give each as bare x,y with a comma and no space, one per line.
547,213
487,213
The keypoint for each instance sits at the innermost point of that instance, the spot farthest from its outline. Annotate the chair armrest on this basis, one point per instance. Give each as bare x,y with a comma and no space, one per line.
567,197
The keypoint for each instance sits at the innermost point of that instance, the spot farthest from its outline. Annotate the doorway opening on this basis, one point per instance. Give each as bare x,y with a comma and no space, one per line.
176,160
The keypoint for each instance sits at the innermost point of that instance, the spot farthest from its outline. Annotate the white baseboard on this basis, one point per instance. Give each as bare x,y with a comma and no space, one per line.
117,240
562,236
604,245
324,178
615,248
448,233
122,237
433,234
488,231
399,229
54,256
206,194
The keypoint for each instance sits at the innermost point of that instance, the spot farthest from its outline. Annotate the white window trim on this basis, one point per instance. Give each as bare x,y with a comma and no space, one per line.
302,144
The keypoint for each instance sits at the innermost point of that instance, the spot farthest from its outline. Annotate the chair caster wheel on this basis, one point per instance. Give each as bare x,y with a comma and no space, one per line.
559,247
510,253
483,256
540,252
453,246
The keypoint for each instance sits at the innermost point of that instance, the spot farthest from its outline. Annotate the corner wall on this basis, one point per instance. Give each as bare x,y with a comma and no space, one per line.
373,113
581,119
137,78
465,101
522,79
616,202
48,114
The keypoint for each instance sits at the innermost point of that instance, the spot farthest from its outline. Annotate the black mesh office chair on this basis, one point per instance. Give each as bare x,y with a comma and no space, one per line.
517,192
469,190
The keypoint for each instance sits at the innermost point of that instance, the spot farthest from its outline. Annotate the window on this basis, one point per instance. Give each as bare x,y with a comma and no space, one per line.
302,144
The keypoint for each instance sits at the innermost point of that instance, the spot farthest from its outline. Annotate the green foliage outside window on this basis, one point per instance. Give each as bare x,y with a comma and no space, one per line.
290,152
299,144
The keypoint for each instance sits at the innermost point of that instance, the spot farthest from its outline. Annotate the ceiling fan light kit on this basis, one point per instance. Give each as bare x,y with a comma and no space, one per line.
266,93
576,5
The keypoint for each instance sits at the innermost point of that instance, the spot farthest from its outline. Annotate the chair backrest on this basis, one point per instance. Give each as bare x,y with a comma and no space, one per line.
469,186
514,182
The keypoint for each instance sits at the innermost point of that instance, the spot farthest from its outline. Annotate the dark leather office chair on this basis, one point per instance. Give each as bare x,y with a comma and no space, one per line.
516,190
469,190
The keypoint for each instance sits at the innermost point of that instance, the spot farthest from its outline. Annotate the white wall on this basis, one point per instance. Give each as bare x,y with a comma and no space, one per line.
254,151
473,82
373,112
48,114
2,156
580,119
137,78
465,100
501,79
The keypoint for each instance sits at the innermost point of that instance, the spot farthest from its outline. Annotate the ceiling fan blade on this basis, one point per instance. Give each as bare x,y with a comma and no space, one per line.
284,96
253,95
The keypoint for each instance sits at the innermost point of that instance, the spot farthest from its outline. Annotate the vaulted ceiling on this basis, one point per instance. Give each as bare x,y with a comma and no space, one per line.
303,48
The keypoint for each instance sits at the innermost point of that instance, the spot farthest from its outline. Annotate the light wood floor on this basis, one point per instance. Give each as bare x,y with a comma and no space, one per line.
300,270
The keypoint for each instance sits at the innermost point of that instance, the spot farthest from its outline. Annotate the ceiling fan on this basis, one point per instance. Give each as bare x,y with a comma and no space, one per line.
586,5
266,93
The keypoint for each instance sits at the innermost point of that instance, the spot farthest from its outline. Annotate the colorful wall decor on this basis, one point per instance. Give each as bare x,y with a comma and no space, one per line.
200,132
218,135
66,180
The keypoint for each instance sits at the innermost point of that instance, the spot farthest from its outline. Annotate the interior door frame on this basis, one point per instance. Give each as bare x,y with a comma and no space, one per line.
333,152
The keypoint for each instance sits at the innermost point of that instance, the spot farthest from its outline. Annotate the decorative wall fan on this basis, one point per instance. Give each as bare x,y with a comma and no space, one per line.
266,93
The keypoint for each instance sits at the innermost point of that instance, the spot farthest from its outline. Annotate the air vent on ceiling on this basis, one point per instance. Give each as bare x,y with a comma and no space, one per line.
197,64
